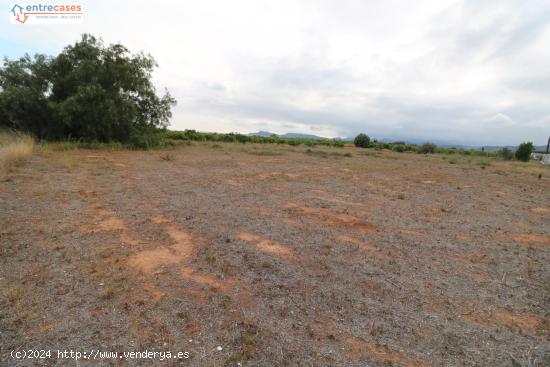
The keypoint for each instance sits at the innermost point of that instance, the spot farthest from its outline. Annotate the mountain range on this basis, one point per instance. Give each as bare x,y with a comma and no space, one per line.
441,143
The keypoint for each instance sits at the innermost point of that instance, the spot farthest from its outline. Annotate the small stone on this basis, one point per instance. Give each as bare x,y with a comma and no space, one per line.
219,348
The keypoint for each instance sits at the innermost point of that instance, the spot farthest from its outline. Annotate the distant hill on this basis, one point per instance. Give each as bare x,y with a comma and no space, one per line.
441,143
289,135
262,133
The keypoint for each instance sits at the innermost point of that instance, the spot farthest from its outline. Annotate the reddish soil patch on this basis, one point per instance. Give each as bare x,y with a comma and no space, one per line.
159,219
365,247
149,261
527,323
530,324
329,217
531,239
44,328
412,232
540,210
269,247
358,347
189,274
112,224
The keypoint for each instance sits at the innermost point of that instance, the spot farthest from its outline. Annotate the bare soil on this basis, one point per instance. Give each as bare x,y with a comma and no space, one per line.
279,256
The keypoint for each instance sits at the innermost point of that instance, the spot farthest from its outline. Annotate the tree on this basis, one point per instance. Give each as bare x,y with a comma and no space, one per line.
89,91
362,141
427,148
523,153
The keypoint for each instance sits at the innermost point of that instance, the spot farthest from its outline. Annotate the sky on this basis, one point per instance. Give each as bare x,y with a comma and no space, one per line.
464,72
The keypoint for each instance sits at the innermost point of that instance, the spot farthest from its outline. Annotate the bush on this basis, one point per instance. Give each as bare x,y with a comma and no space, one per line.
427,148
146,140
400,148
506,154
523,153
362,141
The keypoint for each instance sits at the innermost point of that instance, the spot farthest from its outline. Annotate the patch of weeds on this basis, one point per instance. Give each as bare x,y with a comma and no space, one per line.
167,157
15,294
452,161
484,164
371,153
376,330
323,154
401,196
248,342
107,293
212,256
228,269
216,146
267,265
177,143
326,249
264,152
317,153
183,314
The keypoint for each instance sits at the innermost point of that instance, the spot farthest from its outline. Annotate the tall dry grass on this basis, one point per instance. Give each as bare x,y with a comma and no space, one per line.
15,148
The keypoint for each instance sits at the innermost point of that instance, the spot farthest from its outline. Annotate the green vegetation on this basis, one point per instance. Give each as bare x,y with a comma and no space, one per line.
362,141
212,255
323,154
192,135
506,154
97,96
523,153
167,157
88,93
427,148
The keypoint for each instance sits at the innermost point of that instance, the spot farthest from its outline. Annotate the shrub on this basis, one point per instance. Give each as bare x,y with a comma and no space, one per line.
523,153
146,139
362,141
506,154
427,148
400,148
212,255
167,157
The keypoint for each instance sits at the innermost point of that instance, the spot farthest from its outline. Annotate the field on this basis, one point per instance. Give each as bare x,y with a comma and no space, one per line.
263,255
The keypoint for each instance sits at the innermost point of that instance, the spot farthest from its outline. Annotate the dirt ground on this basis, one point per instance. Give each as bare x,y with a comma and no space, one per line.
276,256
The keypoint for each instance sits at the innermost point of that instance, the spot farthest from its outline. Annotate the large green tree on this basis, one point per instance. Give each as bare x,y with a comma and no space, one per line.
24,90
89,91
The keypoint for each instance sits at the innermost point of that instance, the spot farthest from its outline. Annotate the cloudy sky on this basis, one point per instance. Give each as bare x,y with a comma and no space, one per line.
473,72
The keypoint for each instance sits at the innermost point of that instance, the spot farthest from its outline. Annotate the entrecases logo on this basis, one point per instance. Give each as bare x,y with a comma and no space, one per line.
46,13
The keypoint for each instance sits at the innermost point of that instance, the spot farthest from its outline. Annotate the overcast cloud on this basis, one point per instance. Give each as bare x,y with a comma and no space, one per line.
474,72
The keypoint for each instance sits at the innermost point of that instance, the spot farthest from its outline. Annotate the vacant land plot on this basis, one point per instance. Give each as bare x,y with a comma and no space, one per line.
271,255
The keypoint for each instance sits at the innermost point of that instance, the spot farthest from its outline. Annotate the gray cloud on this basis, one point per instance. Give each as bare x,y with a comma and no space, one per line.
473,72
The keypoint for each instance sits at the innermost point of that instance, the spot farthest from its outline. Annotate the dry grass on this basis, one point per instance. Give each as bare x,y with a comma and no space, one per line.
15,148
